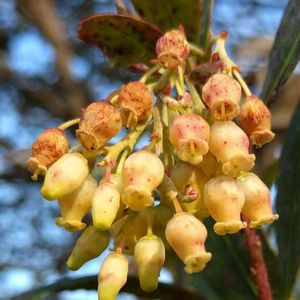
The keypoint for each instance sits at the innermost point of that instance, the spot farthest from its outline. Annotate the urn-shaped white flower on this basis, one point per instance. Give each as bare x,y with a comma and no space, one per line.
258,206
230,144
149,256
225,200
75,206
186,235
65,176
142,173
189,134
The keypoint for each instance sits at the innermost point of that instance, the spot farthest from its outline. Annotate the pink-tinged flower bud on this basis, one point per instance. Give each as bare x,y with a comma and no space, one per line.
99,122
106,202
136,102
75,206
149,257
190,180
48,148
65,176
112,276
258,206
222,95
187,235
142,173
255,119
210,165
230,144
189,135
90,244
225,201
172,49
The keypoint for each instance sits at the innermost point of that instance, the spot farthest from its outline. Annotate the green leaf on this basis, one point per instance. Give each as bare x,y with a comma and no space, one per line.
168,14
205,24
285,53
127,41
288,207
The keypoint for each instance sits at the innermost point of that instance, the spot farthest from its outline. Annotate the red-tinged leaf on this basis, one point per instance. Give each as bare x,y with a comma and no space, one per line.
123,39
168,14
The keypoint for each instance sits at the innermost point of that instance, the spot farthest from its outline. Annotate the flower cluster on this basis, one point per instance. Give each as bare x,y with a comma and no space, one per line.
197,164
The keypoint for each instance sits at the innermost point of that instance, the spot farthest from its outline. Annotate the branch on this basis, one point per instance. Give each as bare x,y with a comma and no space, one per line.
164,291
257,263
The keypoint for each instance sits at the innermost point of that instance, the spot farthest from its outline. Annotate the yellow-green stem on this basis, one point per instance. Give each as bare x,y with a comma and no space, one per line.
148,74
243,84
69,124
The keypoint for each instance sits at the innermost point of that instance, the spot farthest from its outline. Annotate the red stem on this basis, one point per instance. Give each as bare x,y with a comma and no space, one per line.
257,263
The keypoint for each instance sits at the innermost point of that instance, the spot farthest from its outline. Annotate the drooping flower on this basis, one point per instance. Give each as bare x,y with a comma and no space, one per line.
136,102
99,122
65,176
149,257
47,148
222,95
224,200
105,205
76,205
186,235
189,134
258,206
172,49
90,244
255,119
230,144
143,171
112,276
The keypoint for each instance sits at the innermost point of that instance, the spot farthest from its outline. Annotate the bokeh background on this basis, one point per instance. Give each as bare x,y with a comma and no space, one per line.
46,76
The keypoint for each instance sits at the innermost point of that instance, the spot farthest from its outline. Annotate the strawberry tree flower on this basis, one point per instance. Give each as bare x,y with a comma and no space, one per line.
255,119
112,276
172,49
65,176
189,135
142,173
222,95
186,235
224,200
76,205
230,144
90,244
190,180
135,102
258,206
99,122
105,205
47,148
149,257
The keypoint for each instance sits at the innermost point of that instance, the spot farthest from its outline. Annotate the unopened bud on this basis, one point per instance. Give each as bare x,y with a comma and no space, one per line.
112,276
65,176
48,148
76,205
190,180
225,201
136,102
255,119
142,173
99,122
172,49
222,95
230,144
258,206
90,244
106,202
149,256
189,134
187,235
